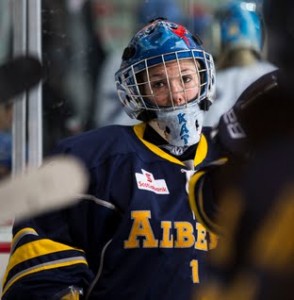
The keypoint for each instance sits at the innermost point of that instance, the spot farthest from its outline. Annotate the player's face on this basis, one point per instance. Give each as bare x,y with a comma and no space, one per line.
174,84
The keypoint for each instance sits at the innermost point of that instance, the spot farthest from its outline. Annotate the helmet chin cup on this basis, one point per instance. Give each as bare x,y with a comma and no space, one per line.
180,127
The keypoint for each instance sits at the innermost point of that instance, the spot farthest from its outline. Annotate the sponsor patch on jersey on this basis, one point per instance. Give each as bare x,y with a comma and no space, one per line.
146,181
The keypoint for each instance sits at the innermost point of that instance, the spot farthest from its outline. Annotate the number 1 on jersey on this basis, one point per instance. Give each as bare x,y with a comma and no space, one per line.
195,273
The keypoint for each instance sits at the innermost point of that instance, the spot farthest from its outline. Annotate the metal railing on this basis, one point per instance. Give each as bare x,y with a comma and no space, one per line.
27,112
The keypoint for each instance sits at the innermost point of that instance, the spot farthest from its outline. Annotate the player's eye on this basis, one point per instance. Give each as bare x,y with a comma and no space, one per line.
158,84
187,78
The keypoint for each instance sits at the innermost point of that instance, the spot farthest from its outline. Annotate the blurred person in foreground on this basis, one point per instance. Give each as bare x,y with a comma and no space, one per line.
133,235
255,210
236,39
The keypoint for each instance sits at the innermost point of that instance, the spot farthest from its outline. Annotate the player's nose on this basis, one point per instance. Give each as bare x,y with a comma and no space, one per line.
177,92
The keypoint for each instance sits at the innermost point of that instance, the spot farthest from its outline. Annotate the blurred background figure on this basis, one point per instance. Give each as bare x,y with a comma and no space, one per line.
200,17
152,9
72,53
5,140
17,75
236,39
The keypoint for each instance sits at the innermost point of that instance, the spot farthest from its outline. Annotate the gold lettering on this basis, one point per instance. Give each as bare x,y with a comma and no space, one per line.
185,235
167,237
201,243
142,235
141,228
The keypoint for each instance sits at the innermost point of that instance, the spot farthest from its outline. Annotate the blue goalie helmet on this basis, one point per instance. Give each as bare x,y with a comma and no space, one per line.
241,26
162,44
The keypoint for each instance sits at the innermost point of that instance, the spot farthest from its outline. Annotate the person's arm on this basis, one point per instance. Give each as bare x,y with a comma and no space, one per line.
44,259
50,253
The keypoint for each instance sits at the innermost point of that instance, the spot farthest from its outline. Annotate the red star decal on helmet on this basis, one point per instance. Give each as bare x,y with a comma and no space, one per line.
181,31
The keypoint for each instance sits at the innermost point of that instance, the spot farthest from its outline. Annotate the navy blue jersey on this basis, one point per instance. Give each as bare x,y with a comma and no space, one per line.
132,236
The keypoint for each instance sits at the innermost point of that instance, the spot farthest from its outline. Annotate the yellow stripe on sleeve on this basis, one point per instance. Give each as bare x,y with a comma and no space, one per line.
20,234
43,267
35,249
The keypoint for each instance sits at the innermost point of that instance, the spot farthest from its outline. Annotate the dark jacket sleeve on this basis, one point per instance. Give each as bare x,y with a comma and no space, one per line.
57,250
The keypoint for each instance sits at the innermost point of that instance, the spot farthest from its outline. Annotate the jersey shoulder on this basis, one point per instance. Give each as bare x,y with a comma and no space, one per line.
103,142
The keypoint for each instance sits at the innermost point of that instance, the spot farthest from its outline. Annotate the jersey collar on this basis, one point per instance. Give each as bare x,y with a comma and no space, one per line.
200,154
